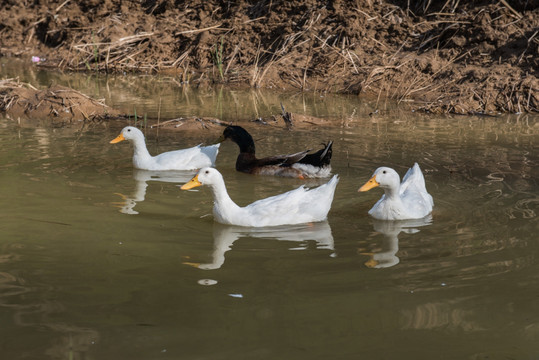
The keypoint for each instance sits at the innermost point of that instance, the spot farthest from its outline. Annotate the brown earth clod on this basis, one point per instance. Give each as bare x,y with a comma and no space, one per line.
58,103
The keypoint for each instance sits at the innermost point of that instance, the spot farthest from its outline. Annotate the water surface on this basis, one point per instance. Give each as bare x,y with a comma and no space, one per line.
98,261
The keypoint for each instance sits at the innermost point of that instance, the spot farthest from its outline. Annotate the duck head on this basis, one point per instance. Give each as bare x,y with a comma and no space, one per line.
384,177
240,136
128,133
206,176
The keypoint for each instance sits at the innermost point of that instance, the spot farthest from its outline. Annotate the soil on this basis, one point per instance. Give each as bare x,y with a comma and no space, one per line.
58,103
445,56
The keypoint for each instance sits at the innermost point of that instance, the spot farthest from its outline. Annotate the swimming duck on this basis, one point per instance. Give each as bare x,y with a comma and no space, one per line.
401,201
297,206
185,159
299,165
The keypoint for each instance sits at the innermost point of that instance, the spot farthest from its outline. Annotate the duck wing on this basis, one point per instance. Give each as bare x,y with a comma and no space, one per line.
413,186
300,205
318,159
186,159
211,152
413,180
282,160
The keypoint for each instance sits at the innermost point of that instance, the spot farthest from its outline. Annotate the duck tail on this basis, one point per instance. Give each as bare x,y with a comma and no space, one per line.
320,158
333,181
211,152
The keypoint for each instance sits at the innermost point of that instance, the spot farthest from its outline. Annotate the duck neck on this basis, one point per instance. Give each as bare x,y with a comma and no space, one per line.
392,192
246,144
222,200
141,153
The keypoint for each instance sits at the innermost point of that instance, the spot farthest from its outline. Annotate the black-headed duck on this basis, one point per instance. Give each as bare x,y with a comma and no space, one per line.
299,165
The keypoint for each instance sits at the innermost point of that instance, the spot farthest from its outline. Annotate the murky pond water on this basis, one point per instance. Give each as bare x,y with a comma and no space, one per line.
98,261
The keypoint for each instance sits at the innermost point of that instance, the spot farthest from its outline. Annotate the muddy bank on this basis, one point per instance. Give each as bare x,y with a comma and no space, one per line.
59,104
440,56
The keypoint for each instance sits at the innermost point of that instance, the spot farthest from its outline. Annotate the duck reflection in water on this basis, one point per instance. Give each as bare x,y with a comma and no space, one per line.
225,235
142,177
387,257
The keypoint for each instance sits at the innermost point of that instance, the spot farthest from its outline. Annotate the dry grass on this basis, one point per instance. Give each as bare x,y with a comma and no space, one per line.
7,97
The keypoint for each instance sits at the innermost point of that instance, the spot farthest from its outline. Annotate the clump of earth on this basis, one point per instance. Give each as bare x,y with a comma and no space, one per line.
445,56
59,103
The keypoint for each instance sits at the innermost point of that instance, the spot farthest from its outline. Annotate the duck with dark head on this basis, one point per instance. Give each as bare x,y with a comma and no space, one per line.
300,165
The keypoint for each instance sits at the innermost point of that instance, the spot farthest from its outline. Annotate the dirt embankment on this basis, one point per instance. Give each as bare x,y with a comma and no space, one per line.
446,56
60,104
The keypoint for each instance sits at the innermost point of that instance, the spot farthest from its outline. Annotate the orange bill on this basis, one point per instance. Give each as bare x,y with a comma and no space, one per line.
191,184
369,184
117,139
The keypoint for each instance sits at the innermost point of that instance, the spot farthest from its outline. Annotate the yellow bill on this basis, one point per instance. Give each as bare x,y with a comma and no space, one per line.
372,183
191,184
117,139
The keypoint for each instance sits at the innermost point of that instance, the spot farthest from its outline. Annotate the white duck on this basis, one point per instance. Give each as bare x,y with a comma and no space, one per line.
294,207
401,201
185,159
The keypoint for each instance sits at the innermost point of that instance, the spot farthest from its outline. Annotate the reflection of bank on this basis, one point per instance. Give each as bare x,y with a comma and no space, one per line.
225,235
142,177
390,245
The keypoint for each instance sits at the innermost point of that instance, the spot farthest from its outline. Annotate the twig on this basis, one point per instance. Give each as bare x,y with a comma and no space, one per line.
119,42
287,117
510,8
306,66
527,46
251,20
369,18
198,30
158,118
61,6
236,49
181,58
352,60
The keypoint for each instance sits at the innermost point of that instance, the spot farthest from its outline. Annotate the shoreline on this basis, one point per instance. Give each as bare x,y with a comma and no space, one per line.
471,59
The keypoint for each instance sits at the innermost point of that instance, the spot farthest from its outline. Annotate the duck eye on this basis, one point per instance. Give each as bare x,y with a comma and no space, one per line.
383,172
207,171
128,130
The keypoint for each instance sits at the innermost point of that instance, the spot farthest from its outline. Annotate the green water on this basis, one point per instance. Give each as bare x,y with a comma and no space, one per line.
98,261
